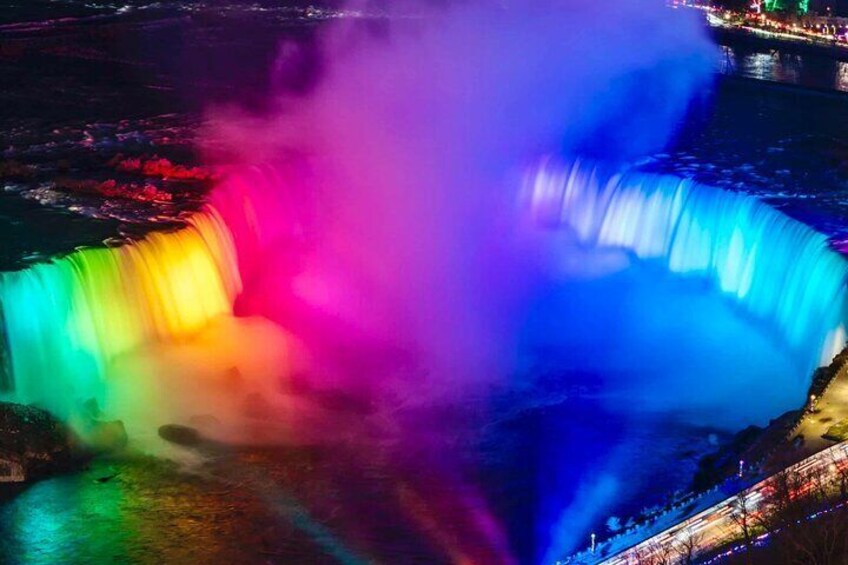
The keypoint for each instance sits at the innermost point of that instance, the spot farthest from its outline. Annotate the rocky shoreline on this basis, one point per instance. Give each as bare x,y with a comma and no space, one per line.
35,444
768,449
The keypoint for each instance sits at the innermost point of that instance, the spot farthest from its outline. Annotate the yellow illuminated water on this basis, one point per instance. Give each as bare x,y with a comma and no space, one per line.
68,319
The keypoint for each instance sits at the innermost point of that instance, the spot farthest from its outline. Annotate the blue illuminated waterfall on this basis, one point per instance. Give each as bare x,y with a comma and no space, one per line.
777,269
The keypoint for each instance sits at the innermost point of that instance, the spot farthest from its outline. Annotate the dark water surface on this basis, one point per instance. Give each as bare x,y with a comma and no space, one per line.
813,66
86,82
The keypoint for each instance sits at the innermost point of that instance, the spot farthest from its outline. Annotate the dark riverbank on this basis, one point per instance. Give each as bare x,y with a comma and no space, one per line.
812,65
743,38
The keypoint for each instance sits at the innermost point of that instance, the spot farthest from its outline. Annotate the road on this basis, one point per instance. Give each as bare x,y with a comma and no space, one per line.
714,527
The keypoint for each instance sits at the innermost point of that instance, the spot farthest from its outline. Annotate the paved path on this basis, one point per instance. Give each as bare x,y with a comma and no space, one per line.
831,409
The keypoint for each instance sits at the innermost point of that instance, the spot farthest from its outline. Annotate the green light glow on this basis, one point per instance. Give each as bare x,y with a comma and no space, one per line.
66,320
798,6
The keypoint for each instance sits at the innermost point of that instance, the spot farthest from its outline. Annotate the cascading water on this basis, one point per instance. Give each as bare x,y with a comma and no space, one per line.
64,321
398,260
675,304
776,268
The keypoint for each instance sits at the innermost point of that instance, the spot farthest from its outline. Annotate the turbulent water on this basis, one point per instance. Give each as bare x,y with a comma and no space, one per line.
66,320
776,268
109,302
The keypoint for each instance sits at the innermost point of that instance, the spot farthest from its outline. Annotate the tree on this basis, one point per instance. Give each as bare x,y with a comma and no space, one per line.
800,511
688,545
743,516
839,467
655,554
817,488
783,501
789,504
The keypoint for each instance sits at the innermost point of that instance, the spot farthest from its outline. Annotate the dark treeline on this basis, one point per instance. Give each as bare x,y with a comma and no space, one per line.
803,516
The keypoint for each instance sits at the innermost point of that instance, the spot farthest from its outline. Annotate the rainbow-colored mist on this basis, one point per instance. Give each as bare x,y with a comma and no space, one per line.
65,321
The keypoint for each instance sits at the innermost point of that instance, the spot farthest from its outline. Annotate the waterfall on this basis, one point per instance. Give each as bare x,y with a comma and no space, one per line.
777,269
65,320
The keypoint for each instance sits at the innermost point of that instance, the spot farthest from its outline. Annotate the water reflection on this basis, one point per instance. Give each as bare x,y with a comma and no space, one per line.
815,71
842,76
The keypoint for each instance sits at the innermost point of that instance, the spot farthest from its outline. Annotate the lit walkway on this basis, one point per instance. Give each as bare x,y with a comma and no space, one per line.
831,409
714,527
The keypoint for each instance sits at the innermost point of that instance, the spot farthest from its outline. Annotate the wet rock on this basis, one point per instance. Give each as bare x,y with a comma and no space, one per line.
33,443
101,436
105,437
181,435
12,471
105,478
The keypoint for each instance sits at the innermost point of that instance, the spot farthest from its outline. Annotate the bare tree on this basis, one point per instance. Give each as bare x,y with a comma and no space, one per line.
839,467
743,516
817,487
784,501
800,511
819,541
655,554
791,501
688,545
